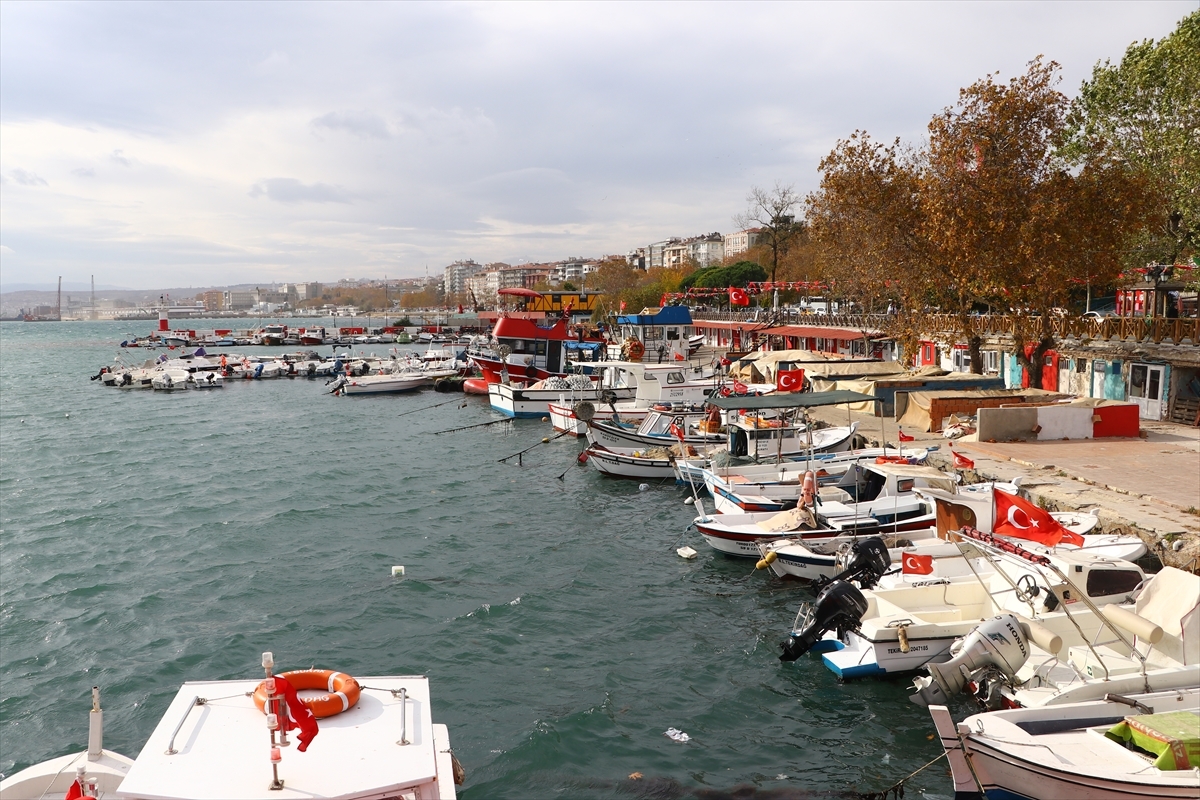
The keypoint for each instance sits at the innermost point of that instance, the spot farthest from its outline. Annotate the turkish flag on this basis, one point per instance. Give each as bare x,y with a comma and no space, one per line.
677,431
739,387
737,297
904,437
789,380
299,715
1021,519
75,792
961,461
622,305
913,564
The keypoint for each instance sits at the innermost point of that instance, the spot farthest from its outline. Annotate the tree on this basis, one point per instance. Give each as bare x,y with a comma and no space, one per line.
738,274
865,224
1145,113
774,214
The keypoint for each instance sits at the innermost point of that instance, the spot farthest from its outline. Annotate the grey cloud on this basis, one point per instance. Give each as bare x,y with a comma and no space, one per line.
290,190
28,178
120,157
84,172
360,123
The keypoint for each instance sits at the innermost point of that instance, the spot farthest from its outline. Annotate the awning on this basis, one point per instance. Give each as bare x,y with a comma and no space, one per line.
789,400
814,332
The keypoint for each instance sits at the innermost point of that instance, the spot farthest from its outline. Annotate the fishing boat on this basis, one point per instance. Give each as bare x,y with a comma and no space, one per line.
1145,745
655,335
273,335
375,739
312,336
527,350
662,387
655,463
656,431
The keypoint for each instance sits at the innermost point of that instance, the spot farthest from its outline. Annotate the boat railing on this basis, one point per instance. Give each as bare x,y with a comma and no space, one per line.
196,701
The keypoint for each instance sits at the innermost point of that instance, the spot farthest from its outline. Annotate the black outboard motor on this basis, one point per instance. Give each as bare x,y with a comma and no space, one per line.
840,605
867,562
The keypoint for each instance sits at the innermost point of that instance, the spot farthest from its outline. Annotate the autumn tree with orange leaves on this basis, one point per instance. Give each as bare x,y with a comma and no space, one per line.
986,215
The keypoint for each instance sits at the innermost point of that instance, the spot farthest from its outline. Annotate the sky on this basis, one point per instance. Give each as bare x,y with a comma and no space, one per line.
197,144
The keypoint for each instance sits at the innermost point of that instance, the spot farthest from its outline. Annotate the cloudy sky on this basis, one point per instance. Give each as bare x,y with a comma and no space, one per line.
176,144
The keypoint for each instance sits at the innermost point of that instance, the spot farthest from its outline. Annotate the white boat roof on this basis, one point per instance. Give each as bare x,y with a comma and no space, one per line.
224,747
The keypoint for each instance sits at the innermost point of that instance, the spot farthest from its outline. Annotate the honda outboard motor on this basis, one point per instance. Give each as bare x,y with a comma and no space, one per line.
998,643
840,605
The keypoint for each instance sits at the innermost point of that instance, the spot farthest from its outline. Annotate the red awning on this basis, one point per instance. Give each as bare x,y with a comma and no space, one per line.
814,332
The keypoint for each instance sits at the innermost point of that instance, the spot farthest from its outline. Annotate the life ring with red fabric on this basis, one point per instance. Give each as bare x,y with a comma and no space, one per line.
342,691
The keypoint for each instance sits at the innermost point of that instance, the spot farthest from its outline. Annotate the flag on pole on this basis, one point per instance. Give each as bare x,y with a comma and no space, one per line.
1021,519
904,437
622,306
298,715
913,564
75,792
789,380
738,297
677,431
739,387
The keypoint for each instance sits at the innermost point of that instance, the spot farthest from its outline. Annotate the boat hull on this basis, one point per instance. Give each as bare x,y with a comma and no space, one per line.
626,466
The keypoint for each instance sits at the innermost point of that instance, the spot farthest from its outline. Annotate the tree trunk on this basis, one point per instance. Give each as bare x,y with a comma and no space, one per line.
973,345
1033,362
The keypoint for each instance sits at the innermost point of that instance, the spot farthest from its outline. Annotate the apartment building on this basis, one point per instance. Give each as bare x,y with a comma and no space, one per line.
741,241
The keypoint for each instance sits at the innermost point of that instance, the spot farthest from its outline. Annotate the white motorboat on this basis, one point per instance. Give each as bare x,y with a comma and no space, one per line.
207,380
652,462
1151,645
171,380
1145,745
214,742
906,627
386,383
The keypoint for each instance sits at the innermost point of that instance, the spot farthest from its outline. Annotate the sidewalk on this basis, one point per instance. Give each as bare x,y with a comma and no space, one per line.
1148,487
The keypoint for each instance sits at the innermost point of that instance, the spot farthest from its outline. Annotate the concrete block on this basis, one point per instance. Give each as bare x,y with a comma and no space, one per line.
1064,422
1007,424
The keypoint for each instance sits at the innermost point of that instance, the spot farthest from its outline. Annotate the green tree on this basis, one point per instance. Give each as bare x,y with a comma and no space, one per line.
1145,113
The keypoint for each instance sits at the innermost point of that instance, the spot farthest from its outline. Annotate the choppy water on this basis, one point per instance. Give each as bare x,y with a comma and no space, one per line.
147,539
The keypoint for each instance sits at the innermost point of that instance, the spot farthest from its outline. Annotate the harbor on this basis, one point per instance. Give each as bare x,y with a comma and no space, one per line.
523,587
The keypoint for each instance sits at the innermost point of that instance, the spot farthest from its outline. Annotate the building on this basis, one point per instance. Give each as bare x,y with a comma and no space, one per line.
238,301
457,275
213,301
707,250
741,241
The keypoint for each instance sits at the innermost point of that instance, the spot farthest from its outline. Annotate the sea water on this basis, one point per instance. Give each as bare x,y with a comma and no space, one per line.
151,538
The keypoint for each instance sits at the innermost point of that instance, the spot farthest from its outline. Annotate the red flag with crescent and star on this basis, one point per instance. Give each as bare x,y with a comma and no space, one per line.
789,380
904,437
298,715
913,564
738,297
1021,519
676,431
739,387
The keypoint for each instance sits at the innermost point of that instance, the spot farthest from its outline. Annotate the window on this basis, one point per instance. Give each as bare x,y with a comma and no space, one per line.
673,334
675,377
962,359
1106,582
1137,380
653,333
540,347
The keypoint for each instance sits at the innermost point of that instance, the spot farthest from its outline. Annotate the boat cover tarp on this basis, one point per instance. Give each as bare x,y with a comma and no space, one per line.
1172,601
760,367
916,414
866,387
788,400
1173,736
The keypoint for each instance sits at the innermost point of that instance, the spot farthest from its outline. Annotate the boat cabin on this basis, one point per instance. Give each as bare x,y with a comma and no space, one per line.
664,333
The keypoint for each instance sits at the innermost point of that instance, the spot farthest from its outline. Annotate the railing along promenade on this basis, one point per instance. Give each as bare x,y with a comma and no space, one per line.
1115,329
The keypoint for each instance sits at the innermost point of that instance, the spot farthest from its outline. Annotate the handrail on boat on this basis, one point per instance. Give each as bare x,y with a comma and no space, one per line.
196,701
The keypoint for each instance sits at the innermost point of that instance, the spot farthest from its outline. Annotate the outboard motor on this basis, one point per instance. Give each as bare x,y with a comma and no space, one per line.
337,384
867,562
840,605
998,643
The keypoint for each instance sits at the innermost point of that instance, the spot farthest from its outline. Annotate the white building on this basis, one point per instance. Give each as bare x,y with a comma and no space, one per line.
740,242
457,274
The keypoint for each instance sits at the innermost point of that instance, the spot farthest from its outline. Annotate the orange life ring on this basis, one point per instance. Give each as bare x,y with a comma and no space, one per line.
891,460
635,349
343,691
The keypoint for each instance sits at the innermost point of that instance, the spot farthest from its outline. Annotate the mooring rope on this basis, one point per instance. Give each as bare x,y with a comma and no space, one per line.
896,790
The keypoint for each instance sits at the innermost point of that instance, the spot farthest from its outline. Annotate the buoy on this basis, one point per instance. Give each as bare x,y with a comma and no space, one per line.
68,416
545,439
686,552
687,501
545,419
397,571
643,487
761,564
771,557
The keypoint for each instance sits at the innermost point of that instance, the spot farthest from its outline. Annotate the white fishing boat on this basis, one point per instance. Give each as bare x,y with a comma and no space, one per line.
662,387
1145,745
654,463
656,431
376,739
207,380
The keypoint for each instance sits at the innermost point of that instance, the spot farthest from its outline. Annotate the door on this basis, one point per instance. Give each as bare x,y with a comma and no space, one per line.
1146,389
